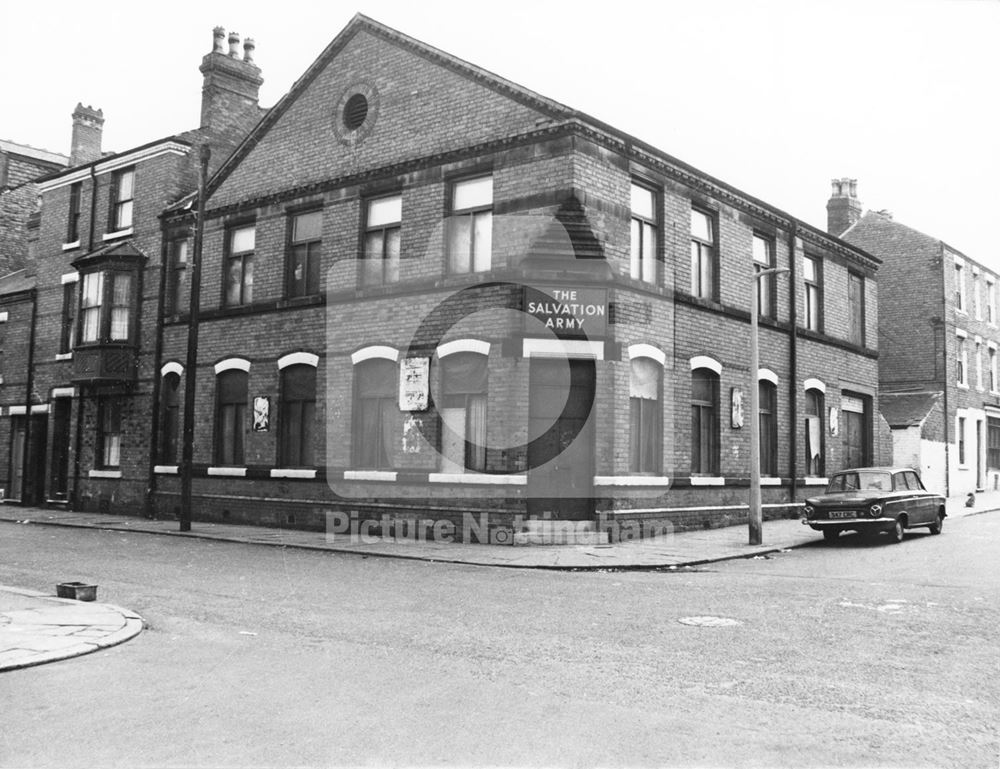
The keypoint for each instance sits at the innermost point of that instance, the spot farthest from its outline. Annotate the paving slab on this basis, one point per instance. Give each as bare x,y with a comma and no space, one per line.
36,628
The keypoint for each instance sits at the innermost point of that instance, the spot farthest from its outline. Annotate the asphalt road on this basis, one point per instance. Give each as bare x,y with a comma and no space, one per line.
856,654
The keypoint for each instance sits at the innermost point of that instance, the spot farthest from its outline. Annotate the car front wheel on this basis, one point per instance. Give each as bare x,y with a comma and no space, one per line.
831,535
897,532
936,526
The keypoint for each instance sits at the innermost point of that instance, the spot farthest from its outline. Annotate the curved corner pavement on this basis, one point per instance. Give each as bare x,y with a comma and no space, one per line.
36,628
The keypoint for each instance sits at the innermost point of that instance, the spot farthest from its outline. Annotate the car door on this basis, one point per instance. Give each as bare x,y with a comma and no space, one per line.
922,504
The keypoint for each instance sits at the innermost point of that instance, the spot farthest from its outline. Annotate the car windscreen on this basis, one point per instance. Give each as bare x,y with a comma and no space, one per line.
863,480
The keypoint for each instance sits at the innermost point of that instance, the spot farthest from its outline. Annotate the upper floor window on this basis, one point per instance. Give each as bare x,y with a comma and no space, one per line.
384,217
73,222
977,303
106,301
702,254
304,253
991,301
991,354
177,262
812,275
962,362
240,245
3,344
470,226
67,331
763,259
642,265
960,288
122,198
297,416
856,308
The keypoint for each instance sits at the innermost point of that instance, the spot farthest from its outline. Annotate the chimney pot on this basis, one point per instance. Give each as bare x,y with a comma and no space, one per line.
843,209
219,40
234,44
248,49
85,145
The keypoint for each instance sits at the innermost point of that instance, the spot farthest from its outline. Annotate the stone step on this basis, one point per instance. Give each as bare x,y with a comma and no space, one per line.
547,532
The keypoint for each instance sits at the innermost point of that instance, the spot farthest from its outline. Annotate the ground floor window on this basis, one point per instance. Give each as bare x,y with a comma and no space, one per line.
993,442
768,429
646,425
463,412
230,417
704,422
109,432
297,416
814,433
376,414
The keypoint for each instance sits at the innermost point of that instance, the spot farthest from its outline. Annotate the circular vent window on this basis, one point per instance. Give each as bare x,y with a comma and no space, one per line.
355,114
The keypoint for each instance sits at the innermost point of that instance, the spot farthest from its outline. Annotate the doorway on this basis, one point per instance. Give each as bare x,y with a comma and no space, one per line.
561,438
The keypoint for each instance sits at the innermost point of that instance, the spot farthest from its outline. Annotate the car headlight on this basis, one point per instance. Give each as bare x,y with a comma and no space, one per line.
875,511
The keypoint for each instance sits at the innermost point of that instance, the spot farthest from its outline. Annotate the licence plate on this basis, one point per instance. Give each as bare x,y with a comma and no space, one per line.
842,514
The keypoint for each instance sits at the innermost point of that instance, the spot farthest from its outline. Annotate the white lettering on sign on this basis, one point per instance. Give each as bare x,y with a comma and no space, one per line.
570,308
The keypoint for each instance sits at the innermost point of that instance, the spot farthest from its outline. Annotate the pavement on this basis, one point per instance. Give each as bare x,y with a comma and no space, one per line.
37,628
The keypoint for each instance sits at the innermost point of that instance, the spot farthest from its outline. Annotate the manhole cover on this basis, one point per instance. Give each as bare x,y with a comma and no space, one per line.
709,621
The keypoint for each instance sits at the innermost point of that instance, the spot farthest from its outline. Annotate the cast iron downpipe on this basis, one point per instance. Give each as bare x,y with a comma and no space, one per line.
793,362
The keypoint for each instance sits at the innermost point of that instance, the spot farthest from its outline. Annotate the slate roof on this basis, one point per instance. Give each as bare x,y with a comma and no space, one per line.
907,409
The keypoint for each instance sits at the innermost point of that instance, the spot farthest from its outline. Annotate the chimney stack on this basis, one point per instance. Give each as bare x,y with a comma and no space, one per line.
231,86
85,145
843,209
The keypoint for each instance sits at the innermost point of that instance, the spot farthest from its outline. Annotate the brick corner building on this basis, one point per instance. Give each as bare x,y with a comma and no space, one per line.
429,294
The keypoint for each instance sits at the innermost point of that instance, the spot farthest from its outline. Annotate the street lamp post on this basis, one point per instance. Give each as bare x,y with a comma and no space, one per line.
756,517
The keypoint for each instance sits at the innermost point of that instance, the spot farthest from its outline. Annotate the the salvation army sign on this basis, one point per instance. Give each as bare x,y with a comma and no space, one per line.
568,310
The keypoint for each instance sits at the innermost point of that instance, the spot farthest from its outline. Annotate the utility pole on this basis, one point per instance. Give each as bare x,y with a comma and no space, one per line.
191,365
755,519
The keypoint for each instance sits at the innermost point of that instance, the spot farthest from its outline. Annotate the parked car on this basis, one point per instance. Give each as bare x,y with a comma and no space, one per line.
870,500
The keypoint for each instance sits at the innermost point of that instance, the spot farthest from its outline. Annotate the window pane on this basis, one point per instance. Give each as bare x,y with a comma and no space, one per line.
642,201
472,193
701,226
476,433
635,263
645,379
91,324
648,253
119,323
242,239
123,218
459,244
809,270
93,287
483,241
761,250
125,185
383,211
234,281
307,226
391,272
248,279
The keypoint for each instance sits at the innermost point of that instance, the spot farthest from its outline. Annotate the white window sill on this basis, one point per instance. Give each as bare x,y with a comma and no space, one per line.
290,472
104,474
116,235
483,479
166,469
369,475
770,481
814,481
707,480
631,480
64,356
962,386
71,246
228,472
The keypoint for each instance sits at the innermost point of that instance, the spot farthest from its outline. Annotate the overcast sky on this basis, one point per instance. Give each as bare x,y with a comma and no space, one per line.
775,97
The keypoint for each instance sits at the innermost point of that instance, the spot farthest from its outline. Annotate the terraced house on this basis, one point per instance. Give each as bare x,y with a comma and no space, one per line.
427,292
